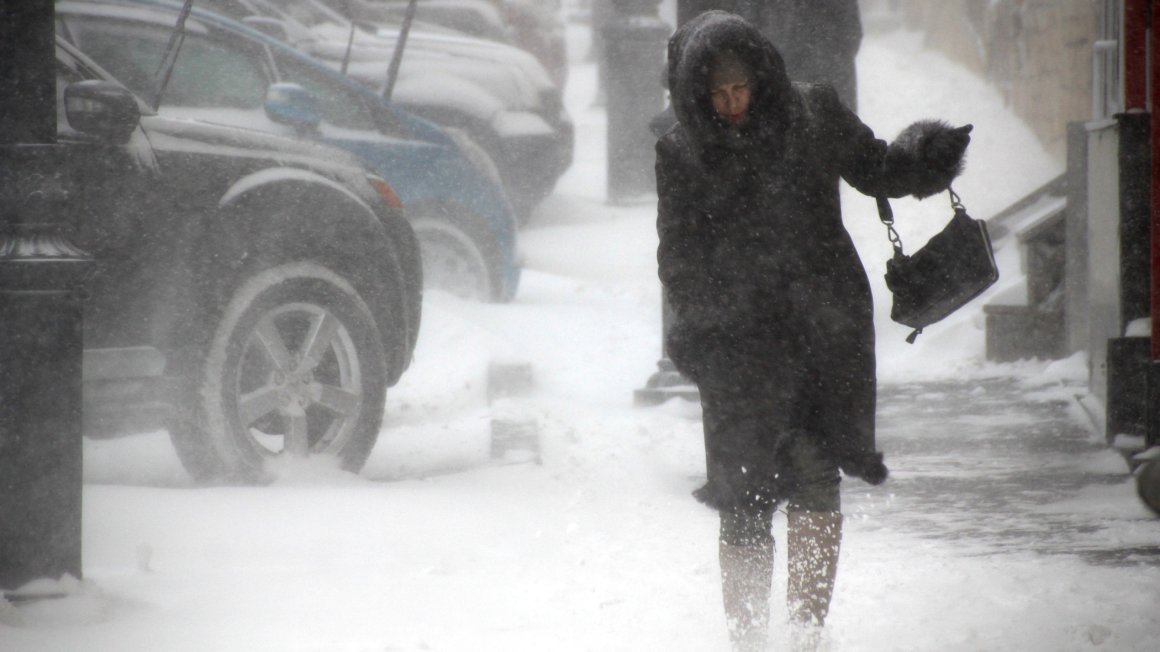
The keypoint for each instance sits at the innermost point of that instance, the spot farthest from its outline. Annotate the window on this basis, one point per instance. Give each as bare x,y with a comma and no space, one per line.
340,107
302,12
229,8
128,53
1107,63
208,73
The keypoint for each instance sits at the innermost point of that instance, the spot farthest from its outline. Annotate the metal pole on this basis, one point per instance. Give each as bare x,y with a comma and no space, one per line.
40,333
634,46
635,95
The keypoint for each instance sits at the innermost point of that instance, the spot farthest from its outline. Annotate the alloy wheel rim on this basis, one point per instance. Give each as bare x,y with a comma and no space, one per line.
298,383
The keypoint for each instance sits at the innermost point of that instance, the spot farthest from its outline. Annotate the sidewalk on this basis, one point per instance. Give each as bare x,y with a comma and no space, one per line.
1001,467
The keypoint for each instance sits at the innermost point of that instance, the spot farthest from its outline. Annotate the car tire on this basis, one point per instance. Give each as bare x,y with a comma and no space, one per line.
453,261
293,366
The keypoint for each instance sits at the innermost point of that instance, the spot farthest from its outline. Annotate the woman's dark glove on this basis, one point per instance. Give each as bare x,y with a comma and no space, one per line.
944,148
869,468
926,157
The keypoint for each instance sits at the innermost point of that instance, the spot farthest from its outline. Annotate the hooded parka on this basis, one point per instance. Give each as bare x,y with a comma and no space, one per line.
817,39
771,309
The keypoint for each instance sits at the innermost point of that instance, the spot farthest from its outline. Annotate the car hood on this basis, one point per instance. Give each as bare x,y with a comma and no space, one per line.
371,56
330,40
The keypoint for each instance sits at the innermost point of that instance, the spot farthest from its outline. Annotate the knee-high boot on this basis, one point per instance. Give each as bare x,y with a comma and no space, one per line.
813,540
746,575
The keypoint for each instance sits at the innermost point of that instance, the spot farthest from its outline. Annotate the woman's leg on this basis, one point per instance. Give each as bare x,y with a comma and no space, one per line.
746,411
813,541
813,535
746,554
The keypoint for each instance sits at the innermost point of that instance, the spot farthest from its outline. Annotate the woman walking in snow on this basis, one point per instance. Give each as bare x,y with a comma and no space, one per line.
772,313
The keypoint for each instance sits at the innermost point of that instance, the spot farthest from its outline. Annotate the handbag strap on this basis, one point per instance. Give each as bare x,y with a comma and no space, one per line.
886,214
956,203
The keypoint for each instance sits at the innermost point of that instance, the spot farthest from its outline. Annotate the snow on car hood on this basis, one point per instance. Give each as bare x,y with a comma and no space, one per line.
369,64
517,76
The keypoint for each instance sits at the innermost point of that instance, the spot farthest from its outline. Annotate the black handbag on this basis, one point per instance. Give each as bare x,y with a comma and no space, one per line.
954,266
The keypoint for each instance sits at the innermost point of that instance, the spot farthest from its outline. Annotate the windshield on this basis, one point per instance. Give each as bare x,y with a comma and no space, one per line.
235,9
308,13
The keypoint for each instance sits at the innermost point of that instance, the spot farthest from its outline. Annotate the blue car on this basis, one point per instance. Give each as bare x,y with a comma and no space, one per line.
230,74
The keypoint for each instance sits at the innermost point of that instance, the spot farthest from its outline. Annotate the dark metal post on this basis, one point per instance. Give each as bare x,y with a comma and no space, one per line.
40,316
634,50
666,382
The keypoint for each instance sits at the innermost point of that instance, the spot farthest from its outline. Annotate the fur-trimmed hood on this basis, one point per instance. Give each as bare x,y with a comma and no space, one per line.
773,103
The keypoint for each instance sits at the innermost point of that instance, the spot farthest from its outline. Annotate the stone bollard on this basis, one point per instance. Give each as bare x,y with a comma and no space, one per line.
634,54
515,431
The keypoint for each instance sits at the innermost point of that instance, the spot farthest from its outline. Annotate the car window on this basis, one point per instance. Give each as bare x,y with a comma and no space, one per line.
119,49
208,73
303,12
339,106
211,74
229,8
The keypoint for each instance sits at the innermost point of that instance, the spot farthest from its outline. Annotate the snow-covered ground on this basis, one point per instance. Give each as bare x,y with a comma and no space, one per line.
436,546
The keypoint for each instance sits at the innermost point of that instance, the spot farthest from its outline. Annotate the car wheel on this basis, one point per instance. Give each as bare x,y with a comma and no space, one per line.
294,367
452,260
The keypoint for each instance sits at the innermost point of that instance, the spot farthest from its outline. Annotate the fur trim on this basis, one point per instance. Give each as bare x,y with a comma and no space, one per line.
869,467
692,51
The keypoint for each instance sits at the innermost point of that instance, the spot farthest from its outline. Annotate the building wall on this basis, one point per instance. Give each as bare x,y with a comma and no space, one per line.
1102,300
1038,53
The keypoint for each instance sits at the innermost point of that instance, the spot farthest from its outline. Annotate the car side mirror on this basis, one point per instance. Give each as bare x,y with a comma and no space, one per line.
271,27
101,108
292,105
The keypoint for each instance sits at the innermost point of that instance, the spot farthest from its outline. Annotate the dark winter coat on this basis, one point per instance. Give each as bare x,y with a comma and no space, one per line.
765,285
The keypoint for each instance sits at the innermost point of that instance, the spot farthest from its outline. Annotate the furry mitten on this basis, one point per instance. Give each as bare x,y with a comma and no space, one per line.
929,155
944,148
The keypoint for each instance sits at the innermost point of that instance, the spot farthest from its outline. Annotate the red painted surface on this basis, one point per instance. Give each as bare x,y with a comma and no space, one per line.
1153,73
1136,55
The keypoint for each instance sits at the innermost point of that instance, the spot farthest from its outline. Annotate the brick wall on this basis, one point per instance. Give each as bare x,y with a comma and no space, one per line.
1038,53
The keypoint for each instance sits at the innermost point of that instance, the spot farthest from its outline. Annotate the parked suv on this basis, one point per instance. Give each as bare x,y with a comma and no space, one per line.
227,73
254,294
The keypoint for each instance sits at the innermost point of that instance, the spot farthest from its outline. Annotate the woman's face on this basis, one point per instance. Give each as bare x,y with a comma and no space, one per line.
731,100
